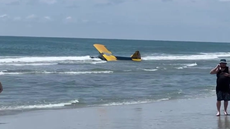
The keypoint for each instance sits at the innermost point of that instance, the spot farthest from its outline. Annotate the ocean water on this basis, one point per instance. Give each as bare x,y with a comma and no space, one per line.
53,73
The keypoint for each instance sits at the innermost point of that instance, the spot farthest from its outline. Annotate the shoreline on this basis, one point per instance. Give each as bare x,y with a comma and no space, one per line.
16,110
191,113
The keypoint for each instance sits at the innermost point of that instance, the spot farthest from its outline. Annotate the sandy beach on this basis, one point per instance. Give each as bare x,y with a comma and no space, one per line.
174,114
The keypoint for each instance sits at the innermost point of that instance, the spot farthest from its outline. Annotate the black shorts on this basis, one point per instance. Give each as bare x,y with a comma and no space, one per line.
223,96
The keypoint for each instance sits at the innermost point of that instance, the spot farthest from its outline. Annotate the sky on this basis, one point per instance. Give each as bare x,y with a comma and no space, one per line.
180,20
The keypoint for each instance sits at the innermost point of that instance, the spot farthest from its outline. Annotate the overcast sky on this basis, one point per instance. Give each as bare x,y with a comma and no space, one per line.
190,20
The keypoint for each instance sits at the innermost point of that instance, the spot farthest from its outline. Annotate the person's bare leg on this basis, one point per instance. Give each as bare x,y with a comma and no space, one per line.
225,107
218,104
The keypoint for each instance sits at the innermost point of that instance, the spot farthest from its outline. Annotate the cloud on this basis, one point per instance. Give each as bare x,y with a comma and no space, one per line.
166,0
47,18
17,18
29,26
27,2
108,2
4,16
85,20
69,18
224,0
9,2
48,1
69,3
101,1
32,16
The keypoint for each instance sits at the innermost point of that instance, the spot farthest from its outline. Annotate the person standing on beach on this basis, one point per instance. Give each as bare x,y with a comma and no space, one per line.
1,88
222,85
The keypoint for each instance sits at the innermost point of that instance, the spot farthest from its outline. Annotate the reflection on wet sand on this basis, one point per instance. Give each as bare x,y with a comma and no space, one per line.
223,122
104,120
132,119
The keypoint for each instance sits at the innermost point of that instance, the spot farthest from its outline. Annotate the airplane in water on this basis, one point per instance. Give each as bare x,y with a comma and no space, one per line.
107,55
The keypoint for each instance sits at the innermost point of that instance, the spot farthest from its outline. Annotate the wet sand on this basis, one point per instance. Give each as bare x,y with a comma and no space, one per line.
173,114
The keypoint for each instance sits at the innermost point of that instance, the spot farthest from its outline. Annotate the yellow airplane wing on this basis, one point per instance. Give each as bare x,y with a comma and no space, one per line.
102,49
105,52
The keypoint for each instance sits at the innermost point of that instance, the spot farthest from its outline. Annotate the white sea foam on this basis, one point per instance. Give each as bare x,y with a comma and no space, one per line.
187,65
86,72
98,62
47,72
13,73
40,106
150,69
201,56
44,59
134,102
28,64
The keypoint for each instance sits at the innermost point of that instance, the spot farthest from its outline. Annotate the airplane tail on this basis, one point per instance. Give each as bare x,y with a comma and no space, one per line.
136,56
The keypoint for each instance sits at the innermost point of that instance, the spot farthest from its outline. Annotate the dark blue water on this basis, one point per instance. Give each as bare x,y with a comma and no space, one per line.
40,73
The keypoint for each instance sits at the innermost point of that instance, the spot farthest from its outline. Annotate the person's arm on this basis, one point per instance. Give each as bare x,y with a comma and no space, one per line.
215,70
1,88
228,74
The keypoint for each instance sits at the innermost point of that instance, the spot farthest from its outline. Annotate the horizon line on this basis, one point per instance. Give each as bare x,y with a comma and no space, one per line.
68,37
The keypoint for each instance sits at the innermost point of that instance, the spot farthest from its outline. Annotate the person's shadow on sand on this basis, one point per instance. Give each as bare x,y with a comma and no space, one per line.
223,122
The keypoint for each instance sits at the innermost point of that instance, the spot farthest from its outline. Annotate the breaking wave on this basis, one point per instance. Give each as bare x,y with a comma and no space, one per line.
35,61
201,56
150,70
39,106
47,72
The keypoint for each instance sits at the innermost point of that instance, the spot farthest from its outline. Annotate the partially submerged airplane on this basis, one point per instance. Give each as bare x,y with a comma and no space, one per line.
107,55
